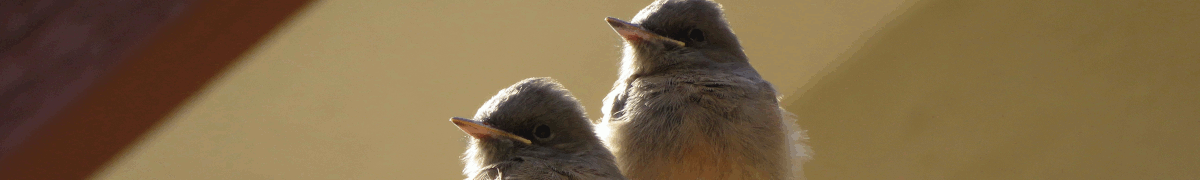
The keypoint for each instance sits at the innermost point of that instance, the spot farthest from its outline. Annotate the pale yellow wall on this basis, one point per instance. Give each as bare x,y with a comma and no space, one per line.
363,89
949,90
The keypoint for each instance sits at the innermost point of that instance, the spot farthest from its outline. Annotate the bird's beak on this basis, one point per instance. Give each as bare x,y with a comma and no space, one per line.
480,130
635,34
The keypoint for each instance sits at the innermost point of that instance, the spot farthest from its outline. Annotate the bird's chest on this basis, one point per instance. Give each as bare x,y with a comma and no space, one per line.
704,160
697,130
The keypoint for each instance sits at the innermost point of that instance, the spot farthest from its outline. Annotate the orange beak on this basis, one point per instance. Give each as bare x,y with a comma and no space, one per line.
636,34
480,130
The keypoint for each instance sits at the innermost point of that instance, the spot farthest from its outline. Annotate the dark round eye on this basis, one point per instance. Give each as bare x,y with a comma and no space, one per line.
696,35
542,132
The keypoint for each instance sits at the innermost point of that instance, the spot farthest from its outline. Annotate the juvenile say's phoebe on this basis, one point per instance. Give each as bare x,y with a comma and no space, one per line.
688,105
534,129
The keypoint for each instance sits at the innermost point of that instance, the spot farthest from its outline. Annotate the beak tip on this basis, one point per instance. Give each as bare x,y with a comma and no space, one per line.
459,121
617,23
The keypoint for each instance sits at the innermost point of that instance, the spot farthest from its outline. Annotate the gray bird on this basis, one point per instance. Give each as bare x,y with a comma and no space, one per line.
688,105
534,129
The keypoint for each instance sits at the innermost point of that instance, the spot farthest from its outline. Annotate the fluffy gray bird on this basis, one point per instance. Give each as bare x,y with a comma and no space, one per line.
688,105
534,129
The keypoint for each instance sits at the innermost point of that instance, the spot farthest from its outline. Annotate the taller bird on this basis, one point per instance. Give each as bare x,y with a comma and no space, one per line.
688,104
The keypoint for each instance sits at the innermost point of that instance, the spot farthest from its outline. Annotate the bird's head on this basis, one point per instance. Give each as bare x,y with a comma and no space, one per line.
536,114
677,32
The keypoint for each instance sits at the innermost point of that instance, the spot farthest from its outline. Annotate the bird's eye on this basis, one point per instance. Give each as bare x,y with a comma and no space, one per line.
542,132
696,35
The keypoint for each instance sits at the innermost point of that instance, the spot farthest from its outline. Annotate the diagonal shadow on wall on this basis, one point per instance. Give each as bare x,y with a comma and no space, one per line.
1018,89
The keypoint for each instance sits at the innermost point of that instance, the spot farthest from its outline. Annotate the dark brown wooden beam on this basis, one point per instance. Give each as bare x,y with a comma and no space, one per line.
82,80
52,50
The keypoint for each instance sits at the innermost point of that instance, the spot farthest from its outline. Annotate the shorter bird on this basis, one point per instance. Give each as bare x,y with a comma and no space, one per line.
534,129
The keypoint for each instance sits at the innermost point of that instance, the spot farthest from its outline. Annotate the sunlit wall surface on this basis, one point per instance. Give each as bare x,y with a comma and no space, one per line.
886,89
